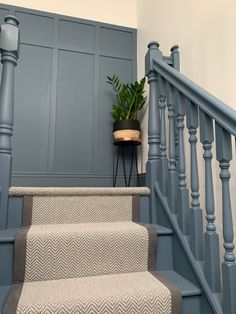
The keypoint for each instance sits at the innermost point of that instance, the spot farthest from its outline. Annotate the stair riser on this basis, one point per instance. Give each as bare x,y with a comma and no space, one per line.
6,258
164,252
14,217
164,257
191,305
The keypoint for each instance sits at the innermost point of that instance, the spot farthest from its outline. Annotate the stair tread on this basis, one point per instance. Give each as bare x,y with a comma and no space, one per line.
185,286
3,293
43,191
161,230
8,235
110,291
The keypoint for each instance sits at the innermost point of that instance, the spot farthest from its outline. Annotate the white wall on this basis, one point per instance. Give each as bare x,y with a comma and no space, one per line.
120,12
205,30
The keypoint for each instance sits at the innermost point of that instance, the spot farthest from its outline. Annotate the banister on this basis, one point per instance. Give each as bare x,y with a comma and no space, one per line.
189,102
218,110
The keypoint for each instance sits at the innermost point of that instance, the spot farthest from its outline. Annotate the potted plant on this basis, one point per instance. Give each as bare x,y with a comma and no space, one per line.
130,99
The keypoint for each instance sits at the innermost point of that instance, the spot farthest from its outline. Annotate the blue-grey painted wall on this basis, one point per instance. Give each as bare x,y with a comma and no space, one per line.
63,127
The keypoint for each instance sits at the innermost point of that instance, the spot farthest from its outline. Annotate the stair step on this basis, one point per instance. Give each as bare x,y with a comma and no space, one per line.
162,231
164,256
7,238
186,287
119,293
3,293
8,235
77,191
164,251
78,250
78,205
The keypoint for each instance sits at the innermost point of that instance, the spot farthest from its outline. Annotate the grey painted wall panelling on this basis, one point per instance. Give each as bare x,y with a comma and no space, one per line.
76,35
63,126
74,119
32,109
35,28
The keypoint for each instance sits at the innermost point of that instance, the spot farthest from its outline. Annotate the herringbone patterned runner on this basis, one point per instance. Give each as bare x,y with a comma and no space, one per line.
80,252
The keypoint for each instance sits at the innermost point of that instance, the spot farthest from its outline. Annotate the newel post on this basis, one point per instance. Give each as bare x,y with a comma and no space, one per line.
153,125
9,48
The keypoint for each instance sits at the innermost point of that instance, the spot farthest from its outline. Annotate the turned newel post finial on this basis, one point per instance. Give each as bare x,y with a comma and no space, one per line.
9,39
175,57
11,19
153,45
174,49
152,53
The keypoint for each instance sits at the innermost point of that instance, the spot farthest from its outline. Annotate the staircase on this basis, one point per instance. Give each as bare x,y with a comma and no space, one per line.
79,251
82,250
123,250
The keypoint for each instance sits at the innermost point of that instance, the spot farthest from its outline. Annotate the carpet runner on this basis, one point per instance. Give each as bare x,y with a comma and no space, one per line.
83,251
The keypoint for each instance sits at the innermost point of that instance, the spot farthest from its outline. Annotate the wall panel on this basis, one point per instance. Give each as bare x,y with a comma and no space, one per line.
35,28
32,109
63,126
78,35
74,117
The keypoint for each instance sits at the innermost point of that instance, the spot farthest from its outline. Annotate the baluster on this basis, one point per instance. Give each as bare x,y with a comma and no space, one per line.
172,171
176,65
9,41
153,127
224,156
211,238
182,196
163,155
195,216
176,144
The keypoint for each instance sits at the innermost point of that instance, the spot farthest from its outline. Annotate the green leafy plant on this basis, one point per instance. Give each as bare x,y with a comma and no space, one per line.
130,98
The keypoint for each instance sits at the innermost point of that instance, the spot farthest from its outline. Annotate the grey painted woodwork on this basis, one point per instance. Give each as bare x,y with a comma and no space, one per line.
195,217
176,144
185,97
219,111
153,117
163,154
224,156
9,44
184,262
211,238
172,170
62,101
153,164
182,196
175,56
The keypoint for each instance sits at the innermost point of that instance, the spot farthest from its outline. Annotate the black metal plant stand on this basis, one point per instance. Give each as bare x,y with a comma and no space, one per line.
122,146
